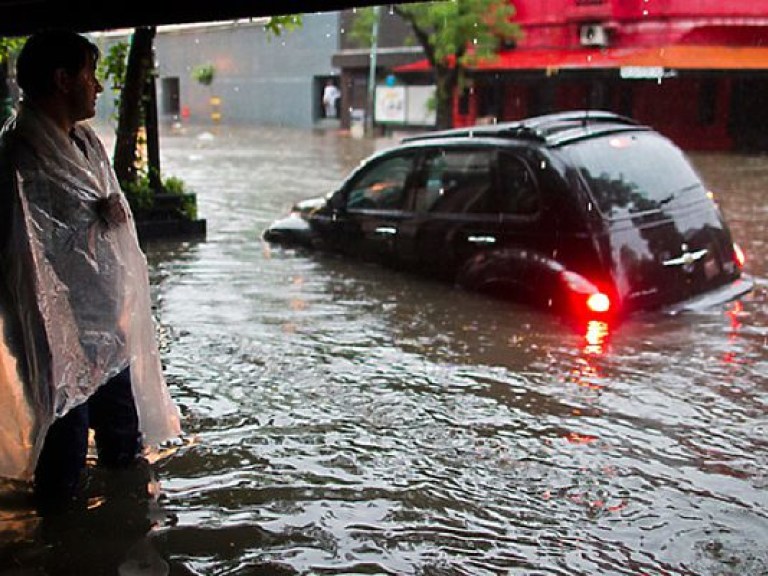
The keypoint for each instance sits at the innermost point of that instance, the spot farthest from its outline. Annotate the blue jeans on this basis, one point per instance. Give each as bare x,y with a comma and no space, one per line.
111,412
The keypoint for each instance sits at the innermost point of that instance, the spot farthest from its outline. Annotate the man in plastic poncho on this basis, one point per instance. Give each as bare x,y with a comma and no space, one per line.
77,341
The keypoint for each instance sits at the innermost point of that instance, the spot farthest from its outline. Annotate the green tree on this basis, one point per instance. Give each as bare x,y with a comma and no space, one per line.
454,35
111,71
9,48
276,25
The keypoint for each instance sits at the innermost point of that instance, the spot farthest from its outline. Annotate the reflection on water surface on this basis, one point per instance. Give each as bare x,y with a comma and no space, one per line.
348,420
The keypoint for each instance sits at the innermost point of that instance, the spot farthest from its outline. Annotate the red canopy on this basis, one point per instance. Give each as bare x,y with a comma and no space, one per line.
680,57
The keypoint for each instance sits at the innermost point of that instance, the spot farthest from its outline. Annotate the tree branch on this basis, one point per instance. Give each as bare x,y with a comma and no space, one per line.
422,35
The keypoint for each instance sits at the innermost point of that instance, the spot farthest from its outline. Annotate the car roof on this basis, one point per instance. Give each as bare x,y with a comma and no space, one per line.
551,130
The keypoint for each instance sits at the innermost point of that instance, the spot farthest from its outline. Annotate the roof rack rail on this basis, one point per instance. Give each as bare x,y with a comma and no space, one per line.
549,128
502,130
559,121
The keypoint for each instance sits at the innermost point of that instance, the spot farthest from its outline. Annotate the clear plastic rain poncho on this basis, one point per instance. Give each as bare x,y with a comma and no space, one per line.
74,293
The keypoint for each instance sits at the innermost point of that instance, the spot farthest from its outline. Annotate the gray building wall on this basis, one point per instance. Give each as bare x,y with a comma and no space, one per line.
259,78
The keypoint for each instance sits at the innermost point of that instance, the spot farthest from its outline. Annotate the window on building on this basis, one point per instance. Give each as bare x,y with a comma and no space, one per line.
626,101
464,99
707,102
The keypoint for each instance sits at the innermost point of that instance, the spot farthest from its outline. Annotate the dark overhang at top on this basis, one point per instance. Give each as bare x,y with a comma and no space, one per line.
22,17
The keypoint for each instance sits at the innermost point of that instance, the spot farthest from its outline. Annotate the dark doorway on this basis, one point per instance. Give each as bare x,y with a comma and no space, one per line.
169,104
542,98
749,114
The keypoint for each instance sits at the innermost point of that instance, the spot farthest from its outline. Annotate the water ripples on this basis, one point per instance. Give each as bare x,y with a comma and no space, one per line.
344,419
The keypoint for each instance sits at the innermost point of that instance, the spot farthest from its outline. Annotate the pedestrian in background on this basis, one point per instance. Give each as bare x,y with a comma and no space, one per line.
331,95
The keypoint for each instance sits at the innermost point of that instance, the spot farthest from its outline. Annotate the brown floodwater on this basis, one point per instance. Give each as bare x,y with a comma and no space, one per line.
346,419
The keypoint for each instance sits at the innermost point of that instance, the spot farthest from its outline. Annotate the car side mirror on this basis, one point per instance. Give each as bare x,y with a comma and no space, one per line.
337,202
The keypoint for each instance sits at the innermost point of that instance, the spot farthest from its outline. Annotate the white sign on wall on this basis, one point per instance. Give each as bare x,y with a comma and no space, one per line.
390,104
420,110
406,105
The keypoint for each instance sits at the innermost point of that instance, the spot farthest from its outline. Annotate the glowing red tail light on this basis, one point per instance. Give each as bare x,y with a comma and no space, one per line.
586,295
598,302
738,255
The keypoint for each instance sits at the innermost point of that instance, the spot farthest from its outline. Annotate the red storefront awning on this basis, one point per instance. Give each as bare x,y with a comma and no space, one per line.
682,57
678,57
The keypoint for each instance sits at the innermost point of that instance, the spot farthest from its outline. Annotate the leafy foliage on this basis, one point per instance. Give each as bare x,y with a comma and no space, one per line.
204,74
139,193
112,69
176,201
10,47
362,24
464,30
276,25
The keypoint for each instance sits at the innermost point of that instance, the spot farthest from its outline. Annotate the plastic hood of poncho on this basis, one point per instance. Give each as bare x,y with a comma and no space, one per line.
75,306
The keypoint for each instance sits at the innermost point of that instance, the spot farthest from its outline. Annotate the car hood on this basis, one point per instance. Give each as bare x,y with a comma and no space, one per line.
309,205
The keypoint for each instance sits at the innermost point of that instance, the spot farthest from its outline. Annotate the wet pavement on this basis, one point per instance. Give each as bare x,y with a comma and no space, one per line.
344,419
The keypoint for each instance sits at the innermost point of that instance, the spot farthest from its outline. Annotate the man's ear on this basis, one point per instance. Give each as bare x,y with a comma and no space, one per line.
62,80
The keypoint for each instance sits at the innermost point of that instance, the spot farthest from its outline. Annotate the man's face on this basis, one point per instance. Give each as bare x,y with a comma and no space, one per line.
83,90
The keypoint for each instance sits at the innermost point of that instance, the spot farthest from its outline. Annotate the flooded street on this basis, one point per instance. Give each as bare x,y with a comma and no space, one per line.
345,419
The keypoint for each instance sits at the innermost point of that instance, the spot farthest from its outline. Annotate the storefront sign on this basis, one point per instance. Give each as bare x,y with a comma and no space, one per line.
646,72
406,105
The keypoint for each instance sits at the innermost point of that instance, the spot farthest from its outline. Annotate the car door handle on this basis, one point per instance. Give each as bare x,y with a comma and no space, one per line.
386,230
481,239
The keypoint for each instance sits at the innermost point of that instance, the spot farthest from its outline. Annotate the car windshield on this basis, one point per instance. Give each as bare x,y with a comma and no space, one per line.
631,173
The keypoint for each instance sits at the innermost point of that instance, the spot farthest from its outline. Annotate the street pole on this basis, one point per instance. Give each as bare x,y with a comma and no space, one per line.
372,70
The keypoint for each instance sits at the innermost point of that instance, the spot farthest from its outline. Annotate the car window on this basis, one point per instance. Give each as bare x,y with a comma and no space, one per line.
630,173
457,181
519,193
382,187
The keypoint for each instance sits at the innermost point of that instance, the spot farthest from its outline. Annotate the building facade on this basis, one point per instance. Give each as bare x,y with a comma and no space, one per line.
697,70
392,50
257,78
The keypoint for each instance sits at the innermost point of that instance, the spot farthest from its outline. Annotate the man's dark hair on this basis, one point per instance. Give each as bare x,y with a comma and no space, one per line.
46,52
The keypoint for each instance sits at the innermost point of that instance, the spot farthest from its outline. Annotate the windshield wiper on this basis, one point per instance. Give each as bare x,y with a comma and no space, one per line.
672,195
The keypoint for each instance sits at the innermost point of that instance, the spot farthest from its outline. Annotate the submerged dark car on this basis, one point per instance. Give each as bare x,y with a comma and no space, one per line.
588,213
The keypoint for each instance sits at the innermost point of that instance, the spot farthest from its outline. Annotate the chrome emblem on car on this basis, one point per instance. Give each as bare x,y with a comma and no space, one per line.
686,258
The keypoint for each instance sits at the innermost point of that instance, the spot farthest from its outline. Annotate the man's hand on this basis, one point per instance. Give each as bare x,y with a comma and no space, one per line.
111,210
